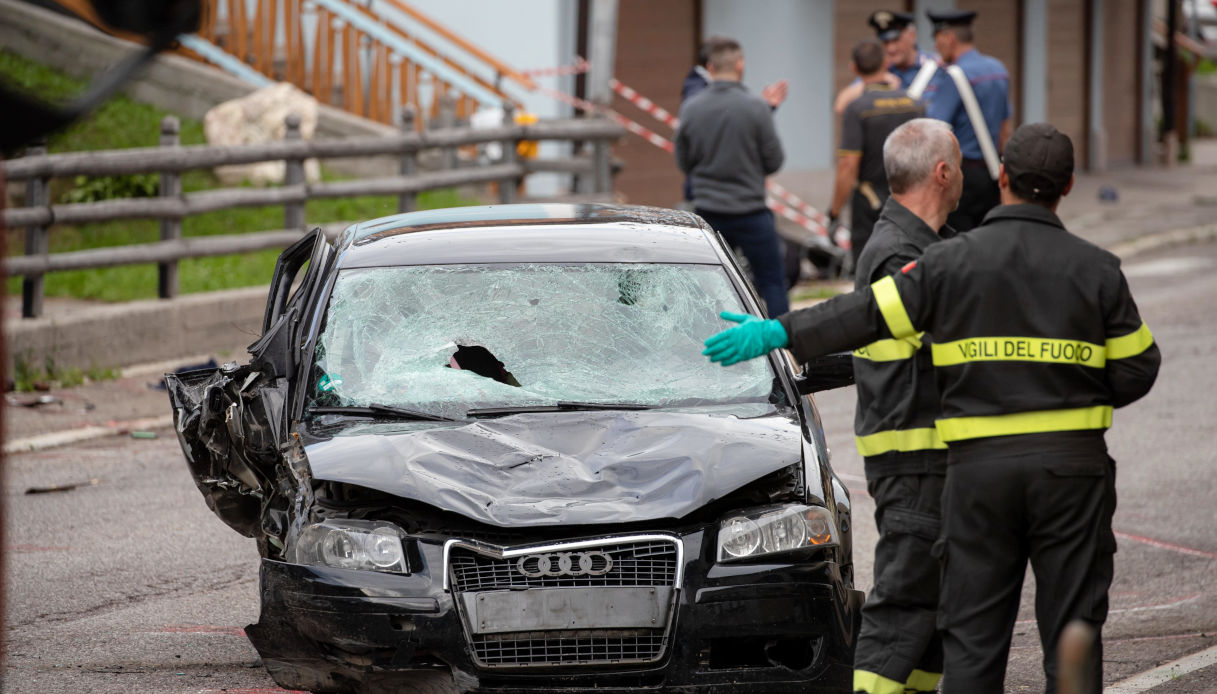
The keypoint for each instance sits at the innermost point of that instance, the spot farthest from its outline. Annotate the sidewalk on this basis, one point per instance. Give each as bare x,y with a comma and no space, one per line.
1155,206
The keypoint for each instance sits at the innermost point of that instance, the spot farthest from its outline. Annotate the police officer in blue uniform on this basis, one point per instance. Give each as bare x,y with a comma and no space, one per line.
990,83
898,33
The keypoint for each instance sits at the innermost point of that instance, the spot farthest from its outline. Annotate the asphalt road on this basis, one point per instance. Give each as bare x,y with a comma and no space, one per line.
127,583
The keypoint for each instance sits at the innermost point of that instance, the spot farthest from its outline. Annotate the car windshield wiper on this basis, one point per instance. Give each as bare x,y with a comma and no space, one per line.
378,410
560,406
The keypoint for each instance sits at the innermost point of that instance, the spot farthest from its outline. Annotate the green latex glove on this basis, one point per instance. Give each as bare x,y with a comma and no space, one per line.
752,338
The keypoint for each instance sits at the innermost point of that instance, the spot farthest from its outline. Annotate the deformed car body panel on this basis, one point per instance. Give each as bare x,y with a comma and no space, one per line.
564,468
229,424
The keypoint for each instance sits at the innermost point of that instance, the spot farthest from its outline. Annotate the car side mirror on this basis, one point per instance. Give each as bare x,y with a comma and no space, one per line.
825,373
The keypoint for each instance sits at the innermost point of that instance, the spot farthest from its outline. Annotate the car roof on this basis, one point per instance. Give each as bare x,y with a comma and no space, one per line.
552,232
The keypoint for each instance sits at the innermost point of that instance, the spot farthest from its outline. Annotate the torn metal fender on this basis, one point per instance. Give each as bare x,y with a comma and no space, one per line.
229,422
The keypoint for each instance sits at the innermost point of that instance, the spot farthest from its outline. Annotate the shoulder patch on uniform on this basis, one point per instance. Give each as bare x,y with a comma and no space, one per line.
907,268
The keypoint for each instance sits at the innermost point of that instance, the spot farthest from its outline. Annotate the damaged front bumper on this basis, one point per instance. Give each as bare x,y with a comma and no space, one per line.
716,627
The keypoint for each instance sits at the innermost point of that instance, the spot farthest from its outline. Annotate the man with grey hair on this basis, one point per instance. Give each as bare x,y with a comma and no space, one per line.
899,649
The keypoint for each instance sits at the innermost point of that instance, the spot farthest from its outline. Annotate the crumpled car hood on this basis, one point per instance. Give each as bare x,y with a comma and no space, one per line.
563,468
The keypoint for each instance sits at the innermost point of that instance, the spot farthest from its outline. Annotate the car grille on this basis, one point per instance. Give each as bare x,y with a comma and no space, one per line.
585,650
651,562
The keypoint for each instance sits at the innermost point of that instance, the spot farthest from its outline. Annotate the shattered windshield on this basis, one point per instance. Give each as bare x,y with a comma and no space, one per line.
447,339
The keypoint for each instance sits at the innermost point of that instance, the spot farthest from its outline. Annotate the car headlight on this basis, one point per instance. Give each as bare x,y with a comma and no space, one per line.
352,544
755,533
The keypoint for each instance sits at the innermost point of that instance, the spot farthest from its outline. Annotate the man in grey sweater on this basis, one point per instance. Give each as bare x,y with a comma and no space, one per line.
727,144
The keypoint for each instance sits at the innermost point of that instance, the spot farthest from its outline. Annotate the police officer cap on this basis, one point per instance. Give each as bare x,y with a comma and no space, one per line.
942,19
888,25
1039,161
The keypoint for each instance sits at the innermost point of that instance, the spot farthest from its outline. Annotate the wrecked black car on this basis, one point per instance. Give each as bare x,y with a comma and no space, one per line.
480,450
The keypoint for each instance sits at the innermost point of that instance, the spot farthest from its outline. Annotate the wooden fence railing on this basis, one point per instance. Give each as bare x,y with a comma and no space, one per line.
172,206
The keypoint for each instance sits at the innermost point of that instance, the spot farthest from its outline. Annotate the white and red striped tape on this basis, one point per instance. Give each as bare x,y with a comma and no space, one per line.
579,67
655,110
648,135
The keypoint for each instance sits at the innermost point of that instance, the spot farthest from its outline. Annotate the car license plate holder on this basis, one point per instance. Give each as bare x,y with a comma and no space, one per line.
562,609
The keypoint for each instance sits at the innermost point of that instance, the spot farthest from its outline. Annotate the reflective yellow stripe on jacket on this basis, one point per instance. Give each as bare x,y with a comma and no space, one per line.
890,350
1130,345
1080,419
902,440
1042,349
887,297
876,684
922,681
1038,349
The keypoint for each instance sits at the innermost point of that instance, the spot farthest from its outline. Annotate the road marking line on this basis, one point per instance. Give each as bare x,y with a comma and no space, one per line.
63,438
1166,545
1161,675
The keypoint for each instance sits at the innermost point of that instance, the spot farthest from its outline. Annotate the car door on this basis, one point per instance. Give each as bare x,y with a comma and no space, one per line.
232,420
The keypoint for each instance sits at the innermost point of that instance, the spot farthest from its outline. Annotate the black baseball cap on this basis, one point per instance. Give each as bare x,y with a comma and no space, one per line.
1039,161
888,25
941,19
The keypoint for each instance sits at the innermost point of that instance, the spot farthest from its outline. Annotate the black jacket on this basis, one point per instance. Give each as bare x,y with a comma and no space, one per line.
1034,329
727,145
897,397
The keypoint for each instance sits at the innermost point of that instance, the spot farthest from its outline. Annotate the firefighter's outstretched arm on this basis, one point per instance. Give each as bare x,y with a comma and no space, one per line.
843,322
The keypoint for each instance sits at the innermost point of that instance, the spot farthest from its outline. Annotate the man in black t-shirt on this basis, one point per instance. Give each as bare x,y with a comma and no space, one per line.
865,125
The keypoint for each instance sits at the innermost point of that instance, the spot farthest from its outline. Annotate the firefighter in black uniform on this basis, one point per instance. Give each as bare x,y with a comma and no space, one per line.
866,123
1036,339
899,649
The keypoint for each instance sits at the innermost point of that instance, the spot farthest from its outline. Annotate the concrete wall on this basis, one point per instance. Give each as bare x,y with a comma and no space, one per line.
139,332
1206,100
791,39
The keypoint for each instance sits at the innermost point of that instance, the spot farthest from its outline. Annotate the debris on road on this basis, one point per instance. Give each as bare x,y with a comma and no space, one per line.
62,487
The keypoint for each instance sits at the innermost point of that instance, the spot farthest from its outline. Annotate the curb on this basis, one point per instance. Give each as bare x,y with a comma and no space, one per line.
1166,673
1198,234
63,438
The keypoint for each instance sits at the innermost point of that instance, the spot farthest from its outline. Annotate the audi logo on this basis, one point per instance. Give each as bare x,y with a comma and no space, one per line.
565,564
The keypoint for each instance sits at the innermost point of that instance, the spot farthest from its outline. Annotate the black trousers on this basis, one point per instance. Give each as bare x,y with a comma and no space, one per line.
980,194
899,630
1043,498
756,234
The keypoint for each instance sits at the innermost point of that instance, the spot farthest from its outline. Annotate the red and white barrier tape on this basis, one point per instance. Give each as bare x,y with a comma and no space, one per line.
654,138
655,110
579,67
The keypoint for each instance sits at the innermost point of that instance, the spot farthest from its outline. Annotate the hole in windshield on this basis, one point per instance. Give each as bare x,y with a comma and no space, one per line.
480,361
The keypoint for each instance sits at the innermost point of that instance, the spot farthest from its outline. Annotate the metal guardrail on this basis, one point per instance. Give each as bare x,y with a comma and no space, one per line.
39,214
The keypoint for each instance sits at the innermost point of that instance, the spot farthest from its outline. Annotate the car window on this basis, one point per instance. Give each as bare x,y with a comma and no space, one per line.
446,339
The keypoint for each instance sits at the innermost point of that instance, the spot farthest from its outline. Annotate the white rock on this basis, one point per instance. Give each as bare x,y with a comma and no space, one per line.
259,117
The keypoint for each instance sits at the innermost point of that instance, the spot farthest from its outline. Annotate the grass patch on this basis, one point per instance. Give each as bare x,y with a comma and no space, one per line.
122,123
29,377
812,291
